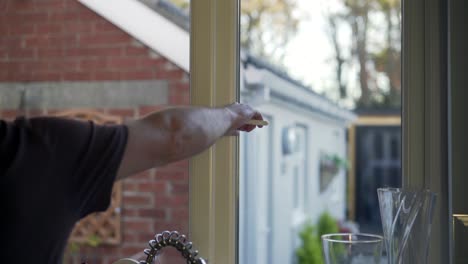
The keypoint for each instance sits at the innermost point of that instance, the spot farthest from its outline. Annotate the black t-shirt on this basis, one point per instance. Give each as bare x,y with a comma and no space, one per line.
53,172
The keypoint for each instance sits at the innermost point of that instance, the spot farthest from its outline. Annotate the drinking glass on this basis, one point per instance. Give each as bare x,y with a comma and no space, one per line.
347,248
406,221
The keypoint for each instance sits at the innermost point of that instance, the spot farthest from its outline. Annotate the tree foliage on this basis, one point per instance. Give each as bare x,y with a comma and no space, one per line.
267,26
375,57
374,43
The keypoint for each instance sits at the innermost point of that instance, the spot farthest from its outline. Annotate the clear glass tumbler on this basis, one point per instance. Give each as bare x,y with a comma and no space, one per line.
346,248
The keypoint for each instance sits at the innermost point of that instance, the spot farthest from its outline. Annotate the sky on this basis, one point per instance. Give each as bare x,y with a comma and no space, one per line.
309,55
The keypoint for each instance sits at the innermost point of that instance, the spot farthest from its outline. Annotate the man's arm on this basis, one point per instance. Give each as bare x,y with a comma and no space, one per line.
178,133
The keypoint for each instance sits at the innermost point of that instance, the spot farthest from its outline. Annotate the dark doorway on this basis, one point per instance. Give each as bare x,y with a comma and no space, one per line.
378,164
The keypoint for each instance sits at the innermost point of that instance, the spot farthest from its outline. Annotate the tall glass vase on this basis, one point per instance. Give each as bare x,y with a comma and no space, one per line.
406,221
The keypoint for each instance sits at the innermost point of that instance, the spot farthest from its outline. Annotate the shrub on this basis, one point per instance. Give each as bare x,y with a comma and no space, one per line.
310,252
326,225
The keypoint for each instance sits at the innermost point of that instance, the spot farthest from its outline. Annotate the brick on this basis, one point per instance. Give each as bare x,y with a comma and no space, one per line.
145,176
45,28
48,41
104,39
33,66
93,51
122,63
19,53
152,63
11,42
131,250
76,76
43,76
130,185
21,6
153,187
130,212
160,226
137,200
107,75
170,201
3,54
153,213
59,15
58,65
128,237
104,250
24,29
77,26
18,76
137,51
47,52
50,5
17,18
171,175
139,226
93,63
138,75
11,66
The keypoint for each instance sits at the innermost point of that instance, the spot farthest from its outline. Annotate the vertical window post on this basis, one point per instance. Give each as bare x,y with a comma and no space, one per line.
214,70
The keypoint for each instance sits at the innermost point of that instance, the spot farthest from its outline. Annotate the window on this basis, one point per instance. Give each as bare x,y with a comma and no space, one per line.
414,120
319,69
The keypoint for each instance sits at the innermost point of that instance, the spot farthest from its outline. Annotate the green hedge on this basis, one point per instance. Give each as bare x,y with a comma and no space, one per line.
310,251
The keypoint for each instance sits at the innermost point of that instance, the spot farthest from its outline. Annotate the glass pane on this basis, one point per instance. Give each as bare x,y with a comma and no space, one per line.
62,58
326,74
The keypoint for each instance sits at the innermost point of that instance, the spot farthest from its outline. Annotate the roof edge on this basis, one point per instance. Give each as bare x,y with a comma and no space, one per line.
134,17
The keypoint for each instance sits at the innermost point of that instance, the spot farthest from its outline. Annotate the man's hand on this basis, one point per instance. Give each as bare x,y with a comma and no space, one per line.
240,114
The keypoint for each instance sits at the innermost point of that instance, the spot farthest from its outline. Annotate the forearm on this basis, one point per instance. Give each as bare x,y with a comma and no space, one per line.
172,134
188,130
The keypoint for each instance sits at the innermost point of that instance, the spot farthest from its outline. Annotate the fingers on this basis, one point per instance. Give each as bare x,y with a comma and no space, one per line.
242,114
246,128
258,116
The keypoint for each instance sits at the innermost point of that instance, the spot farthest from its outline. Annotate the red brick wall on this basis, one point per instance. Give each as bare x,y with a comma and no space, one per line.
62,40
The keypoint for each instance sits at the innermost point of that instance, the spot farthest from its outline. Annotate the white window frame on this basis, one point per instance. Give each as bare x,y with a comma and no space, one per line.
214,81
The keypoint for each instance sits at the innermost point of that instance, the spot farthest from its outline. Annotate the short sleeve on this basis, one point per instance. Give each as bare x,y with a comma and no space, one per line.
88,155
